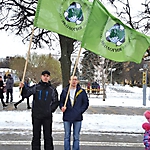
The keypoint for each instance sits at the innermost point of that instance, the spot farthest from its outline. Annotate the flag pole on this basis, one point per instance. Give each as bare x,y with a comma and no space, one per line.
72,76
28,54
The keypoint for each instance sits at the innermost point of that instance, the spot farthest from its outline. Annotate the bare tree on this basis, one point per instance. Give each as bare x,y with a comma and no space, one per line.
139,21
17,16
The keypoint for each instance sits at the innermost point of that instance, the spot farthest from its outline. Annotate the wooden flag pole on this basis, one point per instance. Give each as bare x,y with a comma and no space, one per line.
28,54
72,76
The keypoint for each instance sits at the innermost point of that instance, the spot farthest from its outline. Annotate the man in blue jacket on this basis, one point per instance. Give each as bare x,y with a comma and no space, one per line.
73,109
45,102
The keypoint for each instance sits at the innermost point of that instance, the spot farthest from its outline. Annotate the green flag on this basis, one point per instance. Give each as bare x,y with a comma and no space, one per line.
107,36
66,17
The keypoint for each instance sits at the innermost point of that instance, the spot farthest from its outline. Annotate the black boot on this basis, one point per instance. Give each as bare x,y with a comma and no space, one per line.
28,107
4,106
3,103
15,105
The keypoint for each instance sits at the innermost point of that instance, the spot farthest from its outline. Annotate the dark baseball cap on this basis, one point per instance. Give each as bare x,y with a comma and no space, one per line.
45,72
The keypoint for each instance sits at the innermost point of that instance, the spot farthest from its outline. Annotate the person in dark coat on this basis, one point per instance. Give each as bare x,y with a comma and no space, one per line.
1,92
45,102
5,77
9,88
88,87
26,84
77,103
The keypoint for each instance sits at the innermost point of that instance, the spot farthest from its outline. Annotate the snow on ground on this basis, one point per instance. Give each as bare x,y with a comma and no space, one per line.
117,95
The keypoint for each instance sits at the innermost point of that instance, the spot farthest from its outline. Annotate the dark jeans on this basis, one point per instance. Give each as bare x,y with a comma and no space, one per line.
9,91
2,101
28,104
47,132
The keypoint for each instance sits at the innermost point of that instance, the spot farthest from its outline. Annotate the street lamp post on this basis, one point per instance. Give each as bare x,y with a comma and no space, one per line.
144,83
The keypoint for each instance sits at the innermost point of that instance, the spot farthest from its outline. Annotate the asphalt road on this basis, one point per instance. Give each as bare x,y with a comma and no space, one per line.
22,147
101,141
92,110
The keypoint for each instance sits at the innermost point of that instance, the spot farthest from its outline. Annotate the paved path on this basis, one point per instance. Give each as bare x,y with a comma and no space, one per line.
93,110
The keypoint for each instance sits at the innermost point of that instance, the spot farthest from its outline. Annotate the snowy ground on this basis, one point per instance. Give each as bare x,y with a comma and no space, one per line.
116,96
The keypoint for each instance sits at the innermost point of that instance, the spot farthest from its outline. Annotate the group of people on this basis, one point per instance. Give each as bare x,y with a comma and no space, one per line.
8,86
73,103
95,87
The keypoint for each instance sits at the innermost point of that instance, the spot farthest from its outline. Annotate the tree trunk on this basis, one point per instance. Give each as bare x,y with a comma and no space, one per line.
66,51
104,87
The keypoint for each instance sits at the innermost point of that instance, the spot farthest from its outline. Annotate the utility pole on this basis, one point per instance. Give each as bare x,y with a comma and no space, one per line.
111,74
145,66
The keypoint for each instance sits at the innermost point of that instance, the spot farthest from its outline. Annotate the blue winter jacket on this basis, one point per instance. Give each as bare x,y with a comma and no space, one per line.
81,103
45,99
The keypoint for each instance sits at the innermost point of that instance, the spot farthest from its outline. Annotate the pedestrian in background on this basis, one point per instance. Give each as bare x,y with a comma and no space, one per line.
1,92
6,75
76,105
9,88
45,102
88,87
26,84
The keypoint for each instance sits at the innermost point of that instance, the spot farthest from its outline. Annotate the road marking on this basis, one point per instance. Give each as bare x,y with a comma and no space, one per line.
114,144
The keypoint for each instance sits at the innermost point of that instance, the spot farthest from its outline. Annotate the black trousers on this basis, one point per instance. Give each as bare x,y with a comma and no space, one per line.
9,91
28,103
2,101
47,133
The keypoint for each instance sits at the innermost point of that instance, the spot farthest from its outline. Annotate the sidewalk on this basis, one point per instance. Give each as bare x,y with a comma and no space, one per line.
118,110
